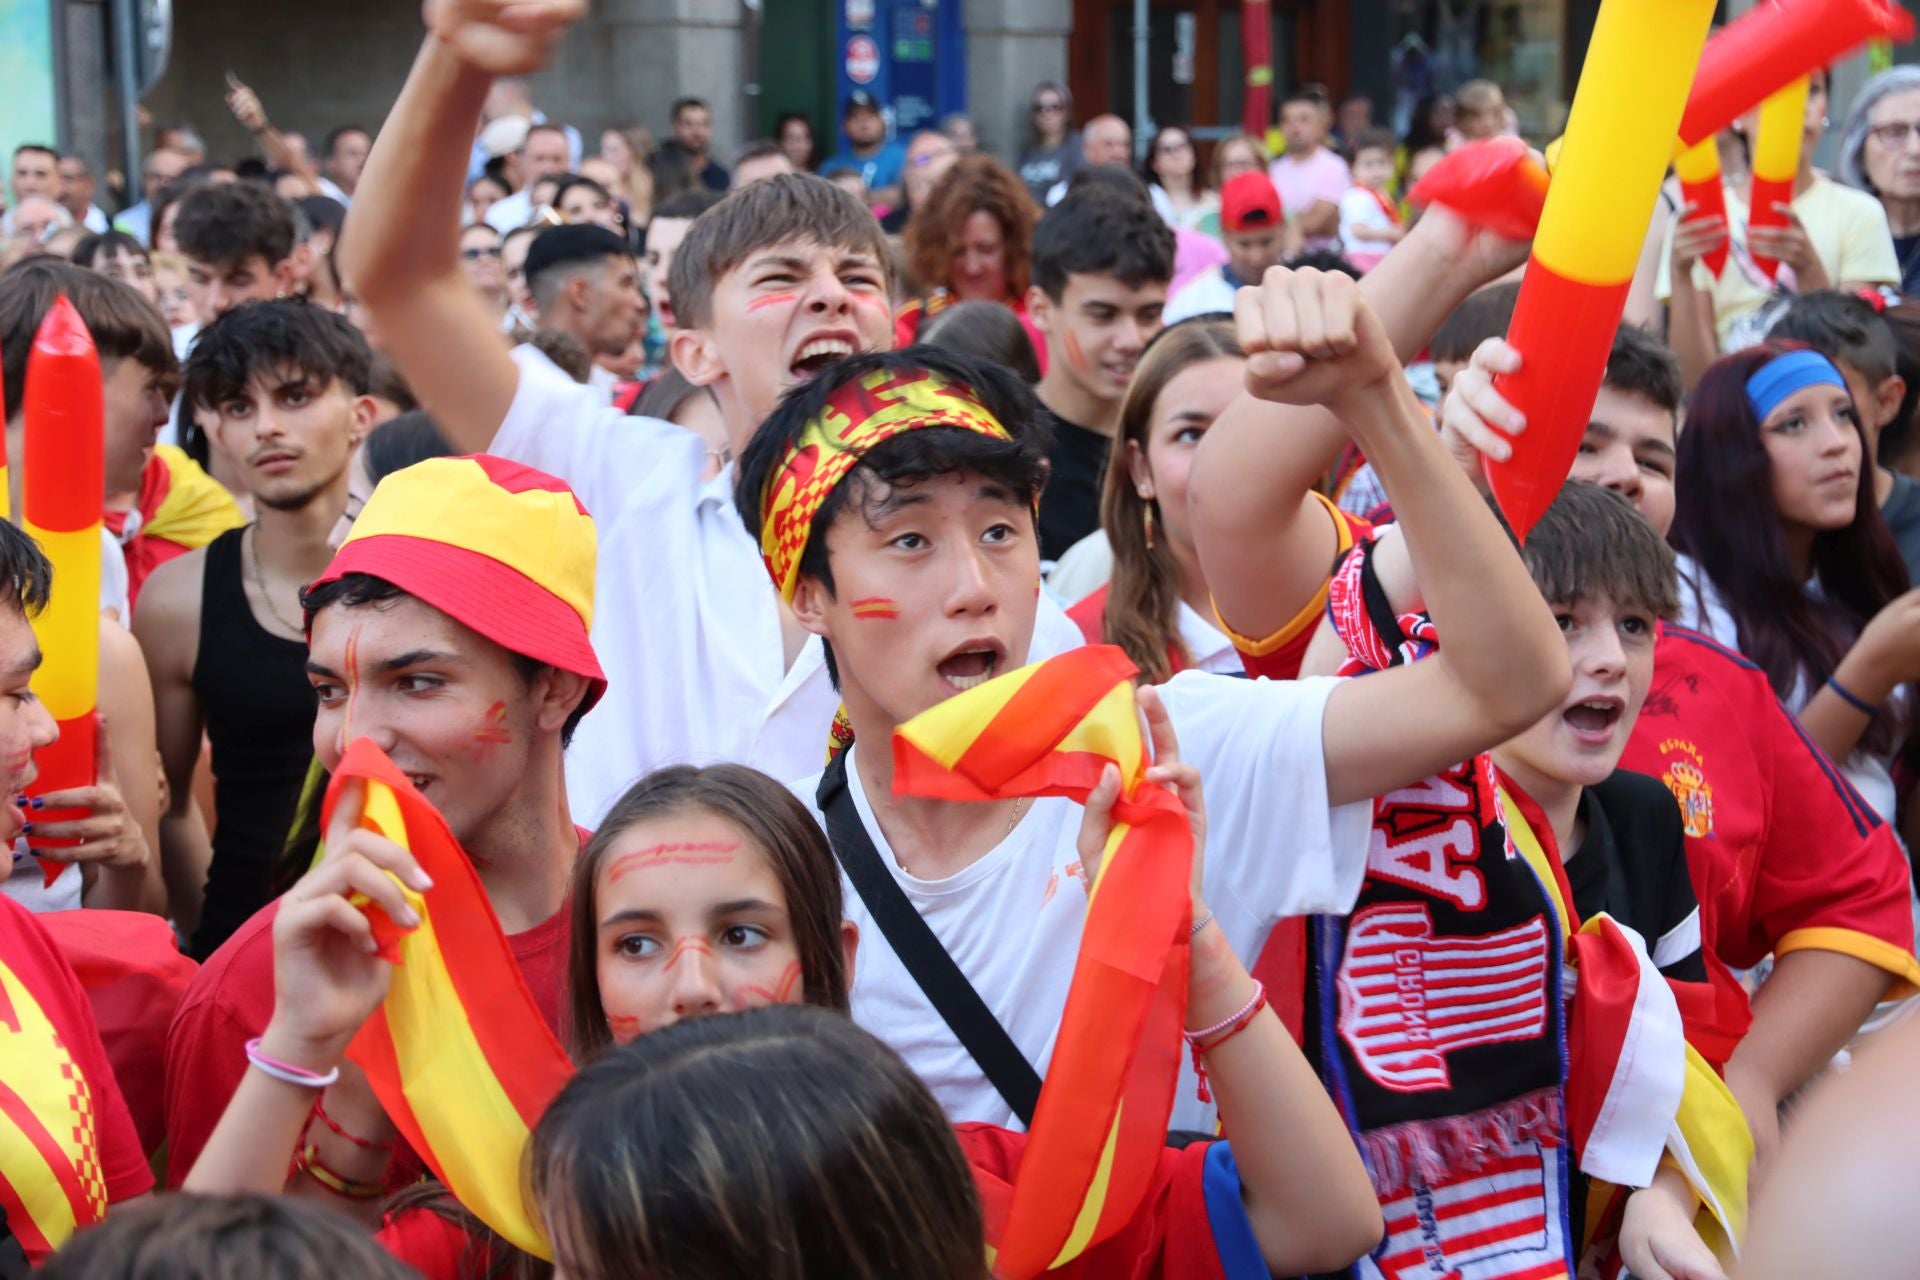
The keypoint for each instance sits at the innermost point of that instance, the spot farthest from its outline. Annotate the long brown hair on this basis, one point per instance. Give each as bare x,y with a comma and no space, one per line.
975,184
1143,596
769,816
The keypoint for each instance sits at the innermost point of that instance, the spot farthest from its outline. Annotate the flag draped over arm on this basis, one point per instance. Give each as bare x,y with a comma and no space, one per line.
458,1054
1100,1127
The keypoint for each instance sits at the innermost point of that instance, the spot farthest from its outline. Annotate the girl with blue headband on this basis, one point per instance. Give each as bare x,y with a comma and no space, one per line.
1785,556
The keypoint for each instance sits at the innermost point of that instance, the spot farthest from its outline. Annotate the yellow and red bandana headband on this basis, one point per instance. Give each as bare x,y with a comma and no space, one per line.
494,545
857,416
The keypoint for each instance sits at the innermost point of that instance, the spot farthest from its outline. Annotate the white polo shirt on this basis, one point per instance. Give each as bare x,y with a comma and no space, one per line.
1012,920
686,623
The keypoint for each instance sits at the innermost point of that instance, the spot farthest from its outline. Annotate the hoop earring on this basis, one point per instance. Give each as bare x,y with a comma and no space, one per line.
1148,520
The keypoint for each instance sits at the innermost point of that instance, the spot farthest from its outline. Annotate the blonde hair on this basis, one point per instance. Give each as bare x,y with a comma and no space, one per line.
1143,595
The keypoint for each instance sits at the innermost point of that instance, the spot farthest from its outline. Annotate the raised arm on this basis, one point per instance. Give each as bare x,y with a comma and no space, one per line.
252,115
399,252
1311,339
1307,1196
1265,543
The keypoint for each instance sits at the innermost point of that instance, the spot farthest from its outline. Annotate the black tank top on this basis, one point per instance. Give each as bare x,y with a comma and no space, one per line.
258,707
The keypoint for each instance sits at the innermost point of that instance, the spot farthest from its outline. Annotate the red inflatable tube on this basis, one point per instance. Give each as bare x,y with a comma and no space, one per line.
1708,198
1496,184
1775,43
1556,383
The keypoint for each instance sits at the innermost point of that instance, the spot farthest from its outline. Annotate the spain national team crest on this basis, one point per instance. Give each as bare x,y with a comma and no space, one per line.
1686,777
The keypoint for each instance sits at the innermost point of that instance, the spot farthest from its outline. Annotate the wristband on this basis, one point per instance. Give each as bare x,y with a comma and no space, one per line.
1231,1026
1200,924
308,1162
1852,699
286,1071
320,1113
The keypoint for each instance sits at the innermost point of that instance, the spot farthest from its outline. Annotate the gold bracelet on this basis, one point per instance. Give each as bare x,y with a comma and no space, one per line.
308,1162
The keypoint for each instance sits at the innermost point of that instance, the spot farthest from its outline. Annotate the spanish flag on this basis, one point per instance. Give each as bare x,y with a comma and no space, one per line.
458,1055
1101,1124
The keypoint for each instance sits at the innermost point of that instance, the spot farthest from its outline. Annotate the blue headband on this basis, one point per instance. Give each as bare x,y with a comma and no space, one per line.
1783,375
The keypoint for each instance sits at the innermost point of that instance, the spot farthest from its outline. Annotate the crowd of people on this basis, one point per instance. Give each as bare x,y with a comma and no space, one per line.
628,501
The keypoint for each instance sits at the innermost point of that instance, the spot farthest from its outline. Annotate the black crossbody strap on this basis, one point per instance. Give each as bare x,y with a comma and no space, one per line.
953,997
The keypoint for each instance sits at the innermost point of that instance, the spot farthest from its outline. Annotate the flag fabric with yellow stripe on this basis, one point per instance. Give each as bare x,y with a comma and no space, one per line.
458,1054
1100,1127
51,1183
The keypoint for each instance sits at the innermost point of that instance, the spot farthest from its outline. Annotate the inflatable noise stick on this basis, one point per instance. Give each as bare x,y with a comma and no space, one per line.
1775,43
1619,138
1776,161
61,509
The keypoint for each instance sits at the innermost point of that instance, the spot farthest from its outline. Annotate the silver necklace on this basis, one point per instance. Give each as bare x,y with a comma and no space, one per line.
260,579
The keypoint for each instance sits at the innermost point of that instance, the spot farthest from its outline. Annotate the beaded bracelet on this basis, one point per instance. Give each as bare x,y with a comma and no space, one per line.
307,1161
1853,699
286,1071
1200,924
320,1113
1231,1027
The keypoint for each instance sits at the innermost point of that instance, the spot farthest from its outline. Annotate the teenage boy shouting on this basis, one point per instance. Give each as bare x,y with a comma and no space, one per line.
893,497
782,278
1788,859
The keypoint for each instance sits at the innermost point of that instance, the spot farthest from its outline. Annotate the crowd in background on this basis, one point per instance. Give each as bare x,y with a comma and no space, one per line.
481,434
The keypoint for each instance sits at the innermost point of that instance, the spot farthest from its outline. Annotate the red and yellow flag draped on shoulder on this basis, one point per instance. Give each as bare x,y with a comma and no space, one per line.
1101,1124
458,1054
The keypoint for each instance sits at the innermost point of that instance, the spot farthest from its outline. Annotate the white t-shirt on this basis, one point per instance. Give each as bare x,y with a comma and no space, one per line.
1360,208
686,623
1012,920
1205,294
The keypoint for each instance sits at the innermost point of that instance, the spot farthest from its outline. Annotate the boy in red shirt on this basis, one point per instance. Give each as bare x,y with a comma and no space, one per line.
1786,858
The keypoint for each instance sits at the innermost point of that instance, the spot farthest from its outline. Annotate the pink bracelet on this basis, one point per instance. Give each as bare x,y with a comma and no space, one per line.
286,1071
1245,1011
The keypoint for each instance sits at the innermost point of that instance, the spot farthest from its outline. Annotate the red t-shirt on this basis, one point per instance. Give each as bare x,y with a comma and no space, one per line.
29,954
1191,1224
231,1001
1785,855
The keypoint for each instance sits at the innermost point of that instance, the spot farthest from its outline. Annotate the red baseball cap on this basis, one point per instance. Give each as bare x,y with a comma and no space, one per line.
1249,202
494,545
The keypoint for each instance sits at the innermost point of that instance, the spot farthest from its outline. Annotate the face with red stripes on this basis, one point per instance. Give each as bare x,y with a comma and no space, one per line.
450,707
934,590
691,920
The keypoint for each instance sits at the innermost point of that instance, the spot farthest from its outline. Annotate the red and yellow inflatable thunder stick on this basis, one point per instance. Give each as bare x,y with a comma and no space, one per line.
1764,52
1776,161
1619,137
61,510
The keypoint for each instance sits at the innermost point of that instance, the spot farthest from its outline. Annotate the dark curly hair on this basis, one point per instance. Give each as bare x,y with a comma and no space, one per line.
975,184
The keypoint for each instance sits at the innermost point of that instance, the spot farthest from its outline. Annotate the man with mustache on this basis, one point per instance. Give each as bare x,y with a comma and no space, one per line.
283,386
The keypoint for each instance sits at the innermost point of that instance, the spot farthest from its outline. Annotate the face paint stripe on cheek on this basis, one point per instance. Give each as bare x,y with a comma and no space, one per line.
875,607
492,731
781,993
772,300
706,853
1075,356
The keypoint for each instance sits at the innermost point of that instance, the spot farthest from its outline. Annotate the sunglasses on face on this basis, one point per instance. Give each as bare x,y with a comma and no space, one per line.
474,255
1040,107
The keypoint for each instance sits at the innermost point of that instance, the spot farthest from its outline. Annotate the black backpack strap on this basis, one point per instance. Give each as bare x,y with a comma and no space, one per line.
953,997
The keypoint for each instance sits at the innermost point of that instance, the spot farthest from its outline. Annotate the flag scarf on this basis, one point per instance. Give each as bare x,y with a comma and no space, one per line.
51,1183
458,1054
1482,1041
179,507
1100,1127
